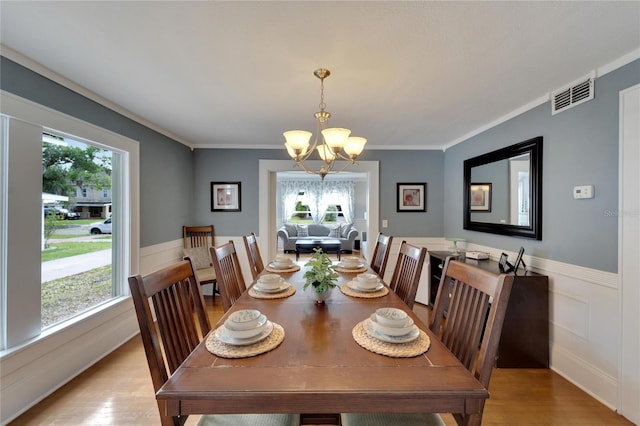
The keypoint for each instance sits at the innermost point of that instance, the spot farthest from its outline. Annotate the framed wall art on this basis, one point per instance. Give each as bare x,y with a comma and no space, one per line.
225,196
480,197
412,197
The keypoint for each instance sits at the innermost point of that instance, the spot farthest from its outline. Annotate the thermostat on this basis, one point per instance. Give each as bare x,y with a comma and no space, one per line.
584,191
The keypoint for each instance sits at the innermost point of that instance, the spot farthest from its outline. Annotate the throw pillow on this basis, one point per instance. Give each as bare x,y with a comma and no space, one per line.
335,232
200,256
292,230
303,231
345,228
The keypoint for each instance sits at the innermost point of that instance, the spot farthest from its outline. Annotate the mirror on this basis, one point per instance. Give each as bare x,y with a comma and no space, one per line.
503,191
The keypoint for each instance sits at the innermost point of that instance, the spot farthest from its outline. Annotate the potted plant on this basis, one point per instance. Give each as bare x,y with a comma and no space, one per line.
321,277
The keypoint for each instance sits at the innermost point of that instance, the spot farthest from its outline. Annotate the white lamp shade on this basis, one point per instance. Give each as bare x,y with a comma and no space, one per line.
297,139
354,145
336,137
325,153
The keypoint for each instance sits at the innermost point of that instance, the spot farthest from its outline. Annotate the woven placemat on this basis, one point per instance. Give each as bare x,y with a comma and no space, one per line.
225,350
294,268
395,350
351,270
290,291
345,289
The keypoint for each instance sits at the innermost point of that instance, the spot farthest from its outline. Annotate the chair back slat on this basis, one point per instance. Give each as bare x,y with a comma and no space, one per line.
181,321
381,254
228,273
406,275
253,254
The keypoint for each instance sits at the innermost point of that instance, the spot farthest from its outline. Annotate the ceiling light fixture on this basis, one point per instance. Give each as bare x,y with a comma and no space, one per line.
331,144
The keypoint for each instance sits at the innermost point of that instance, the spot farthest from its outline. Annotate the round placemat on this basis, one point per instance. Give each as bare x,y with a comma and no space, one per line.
351,271
225,350
290,291
395,350
294,268
344,288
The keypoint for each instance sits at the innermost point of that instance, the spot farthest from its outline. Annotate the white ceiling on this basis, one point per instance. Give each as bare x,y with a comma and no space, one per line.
239,73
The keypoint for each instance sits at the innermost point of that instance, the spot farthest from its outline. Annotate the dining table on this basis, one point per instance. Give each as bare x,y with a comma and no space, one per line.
318,366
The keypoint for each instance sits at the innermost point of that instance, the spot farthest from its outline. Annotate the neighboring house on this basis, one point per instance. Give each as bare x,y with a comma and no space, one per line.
93,203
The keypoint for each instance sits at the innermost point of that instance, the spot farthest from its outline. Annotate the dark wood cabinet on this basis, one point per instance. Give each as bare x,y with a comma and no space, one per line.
525,334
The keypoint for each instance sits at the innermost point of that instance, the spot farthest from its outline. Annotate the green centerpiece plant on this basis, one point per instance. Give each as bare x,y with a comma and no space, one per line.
322,275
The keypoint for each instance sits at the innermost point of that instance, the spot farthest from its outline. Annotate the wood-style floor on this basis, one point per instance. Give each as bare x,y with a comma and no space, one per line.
103,395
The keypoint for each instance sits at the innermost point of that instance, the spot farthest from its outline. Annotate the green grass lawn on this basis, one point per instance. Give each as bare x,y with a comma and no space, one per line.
68,296
61,250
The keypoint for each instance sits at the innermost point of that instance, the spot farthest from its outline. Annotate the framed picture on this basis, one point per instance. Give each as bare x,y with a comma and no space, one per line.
225,196
412,197
480,197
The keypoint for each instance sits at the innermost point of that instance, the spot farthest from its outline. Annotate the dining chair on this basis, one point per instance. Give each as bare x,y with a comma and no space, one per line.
253,254
228,273
406,275
182,323
381,254
467,317
196,241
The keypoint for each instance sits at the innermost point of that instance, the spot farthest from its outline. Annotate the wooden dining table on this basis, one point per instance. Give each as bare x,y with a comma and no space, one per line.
319,367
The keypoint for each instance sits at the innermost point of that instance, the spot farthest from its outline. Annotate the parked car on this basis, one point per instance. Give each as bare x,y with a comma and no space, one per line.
100,227
61,213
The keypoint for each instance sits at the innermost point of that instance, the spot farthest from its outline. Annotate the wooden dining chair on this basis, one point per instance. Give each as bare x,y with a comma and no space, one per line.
182,323
253,254
468,316
381,254
229,275
197,240
406,275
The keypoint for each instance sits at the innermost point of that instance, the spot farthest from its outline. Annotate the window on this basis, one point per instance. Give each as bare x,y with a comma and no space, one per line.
332,213
86,279
21,188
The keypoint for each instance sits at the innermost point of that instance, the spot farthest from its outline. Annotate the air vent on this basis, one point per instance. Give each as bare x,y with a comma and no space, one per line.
577,93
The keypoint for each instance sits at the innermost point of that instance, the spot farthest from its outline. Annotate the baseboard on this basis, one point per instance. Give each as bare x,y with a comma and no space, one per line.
586,376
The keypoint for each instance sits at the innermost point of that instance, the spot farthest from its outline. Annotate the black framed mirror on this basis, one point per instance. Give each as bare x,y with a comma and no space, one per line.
503,191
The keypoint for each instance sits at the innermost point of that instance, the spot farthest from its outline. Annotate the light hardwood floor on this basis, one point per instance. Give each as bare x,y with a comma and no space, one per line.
103,395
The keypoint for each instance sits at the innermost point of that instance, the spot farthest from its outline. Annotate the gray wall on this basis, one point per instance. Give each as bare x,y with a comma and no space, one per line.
241,165
580,148
166,177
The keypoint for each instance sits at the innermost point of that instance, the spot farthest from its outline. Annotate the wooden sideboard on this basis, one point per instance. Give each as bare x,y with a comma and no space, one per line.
525,334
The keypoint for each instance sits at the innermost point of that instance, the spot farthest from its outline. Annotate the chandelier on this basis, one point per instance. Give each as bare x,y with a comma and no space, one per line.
331,144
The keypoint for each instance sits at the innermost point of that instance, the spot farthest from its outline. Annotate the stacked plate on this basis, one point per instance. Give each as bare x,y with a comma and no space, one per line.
282,262
351,262
366,282
271,283
244,327
391,325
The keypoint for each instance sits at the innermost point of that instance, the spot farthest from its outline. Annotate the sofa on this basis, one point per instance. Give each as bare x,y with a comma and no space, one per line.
289,233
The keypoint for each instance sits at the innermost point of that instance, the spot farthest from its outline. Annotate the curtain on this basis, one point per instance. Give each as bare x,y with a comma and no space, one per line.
345,192
319,195
289,190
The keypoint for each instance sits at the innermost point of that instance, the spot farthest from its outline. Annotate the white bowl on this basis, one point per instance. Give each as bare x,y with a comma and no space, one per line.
350,261
245,319
367,281
282,261
270,281
406,328
246,334
391,317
